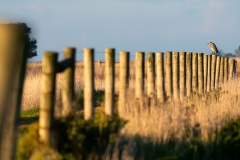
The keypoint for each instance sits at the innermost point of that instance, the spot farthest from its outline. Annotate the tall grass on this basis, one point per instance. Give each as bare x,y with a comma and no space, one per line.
180,130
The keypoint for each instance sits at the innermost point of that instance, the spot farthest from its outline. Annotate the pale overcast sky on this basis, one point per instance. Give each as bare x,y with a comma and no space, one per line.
128,25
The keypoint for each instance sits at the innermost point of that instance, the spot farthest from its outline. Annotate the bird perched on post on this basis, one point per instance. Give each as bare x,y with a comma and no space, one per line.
213,47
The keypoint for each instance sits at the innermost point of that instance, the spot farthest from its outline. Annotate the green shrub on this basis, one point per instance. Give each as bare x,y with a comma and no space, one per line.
28,142
74,138
229,139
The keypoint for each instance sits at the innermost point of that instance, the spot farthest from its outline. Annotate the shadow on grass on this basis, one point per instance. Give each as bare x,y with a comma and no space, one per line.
145,148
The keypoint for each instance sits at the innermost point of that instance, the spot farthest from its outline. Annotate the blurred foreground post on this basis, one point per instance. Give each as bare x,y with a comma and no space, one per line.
68,82
12,69
109,81
124,80
88,83
160,76
47,99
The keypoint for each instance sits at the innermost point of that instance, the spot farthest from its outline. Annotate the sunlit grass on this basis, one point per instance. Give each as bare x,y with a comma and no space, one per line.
181,130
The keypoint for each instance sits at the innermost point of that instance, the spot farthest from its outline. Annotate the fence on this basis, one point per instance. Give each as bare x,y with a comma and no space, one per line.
180,75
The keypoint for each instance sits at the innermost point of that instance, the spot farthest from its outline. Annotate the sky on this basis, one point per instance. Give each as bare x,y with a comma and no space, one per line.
127,25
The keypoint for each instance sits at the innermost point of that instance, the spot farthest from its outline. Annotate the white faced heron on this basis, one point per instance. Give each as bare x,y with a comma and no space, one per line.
213,47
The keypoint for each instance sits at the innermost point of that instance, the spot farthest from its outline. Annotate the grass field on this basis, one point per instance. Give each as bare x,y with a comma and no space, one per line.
186,130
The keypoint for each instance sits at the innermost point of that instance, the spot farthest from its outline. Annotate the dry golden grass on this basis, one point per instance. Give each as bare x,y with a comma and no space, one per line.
200,117
171,117
203,115
32,84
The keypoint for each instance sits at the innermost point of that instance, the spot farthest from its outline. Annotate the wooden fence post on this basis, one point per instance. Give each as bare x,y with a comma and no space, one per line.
213,72
231,68
47,99
209,73
151,74
194,73
175,66
189,74
235,68
225,69
160,76
221,74
200,74
68,96
12,69
182,75
109,81
168,75
139,66
88,83
124,80
217,71
205,71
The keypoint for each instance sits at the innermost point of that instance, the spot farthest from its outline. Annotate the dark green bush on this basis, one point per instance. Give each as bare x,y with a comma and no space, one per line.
229,139
74,138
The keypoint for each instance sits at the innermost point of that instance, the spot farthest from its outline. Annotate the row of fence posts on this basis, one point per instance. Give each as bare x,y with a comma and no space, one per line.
179,76
174,78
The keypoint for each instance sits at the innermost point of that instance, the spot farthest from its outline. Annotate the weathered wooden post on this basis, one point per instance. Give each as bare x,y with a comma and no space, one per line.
151,74
68,97
221,73
12,69
205,72
217,71
200,74
139,66
182,73
109,81
88,83
209,73
194,73
124,79
47,99
231,68
226,69
160,76
235,68
168,75
213,67
189,74
175,66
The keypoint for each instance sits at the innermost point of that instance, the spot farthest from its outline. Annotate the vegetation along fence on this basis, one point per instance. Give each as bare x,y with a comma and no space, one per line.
179,75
